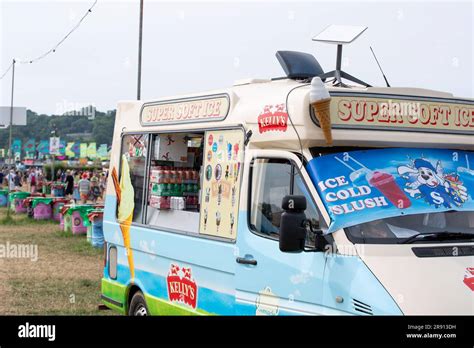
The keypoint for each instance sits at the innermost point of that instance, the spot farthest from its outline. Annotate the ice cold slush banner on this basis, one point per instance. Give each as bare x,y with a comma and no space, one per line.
362,186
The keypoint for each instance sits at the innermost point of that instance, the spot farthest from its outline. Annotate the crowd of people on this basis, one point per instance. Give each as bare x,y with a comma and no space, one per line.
90,185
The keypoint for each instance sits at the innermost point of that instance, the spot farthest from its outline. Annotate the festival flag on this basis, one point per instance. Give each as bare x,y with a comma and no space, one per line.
69,150
76,149
30,148
43,148
92,151
102,152
62,147
83,150
54,145
62,150
16,149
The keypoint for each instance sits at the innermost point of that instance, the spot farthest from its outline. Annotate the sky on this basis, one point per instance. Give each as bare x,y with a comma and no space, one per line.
196,46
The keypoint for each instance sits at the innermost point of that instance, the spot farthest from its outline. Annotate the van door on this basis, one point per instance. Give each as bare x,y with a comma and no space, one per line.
268,281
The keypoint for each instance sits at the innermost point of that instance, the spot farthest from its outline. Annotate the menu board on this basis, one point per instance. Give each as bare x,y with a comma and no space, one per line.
223,165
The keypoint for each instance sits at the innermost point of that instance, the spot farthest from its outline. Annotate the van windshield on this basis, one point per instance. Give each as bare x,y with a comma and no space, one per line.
439,227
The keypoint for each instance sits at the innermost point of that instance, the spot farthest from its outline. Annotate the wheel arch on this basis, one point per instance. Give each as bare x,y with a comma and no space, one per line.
132,290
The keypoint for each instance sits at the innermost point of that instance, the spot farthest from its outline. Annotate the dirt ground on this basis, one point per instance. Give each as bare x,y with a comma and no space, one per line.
65,278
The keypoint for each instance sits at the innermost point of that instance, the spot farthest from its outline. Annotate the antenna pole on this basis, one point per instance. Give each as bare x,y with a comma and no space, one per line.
338,63
385,78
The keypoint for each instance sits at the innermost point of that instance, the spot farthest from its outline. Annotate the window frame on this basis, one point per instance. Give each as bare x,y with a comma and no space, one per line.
150,133
145,179
294,165
116,262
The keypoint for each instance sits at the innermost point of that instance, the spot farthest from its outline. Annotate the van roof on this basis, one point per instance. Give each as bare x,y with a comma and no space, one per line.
250,99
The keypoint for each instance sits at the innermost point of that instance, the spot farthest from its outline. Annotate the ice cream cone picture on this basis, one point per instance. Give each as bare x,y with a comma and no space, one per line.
232,221
320,101
218,220
219,194
125,198
233,196
236,172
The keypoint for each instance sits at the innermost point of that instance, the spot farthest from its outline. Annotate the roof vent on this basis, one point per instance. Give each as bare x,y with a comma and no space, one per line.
299,65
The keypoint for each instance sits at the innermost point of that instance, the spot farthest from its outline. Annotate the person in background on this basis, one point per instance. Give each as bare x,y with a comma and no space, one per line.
32,181
2,176
11,180
102,185
25,175
95,189
63,176
69,180
84,188
39,178
17,180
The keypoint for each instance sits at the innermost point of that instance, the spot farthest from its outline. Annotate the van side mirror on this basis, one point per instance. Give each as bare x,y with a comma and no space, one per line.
292,224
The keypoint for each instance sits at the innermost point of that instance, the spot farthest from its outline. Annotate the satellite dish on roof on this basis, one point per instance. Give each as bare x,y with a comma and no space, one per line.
340,35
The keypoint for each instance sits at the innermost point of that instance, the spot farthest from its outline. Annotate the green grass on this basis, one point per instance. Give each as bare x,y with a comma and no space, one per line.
56,296
66,278
8,220
19,219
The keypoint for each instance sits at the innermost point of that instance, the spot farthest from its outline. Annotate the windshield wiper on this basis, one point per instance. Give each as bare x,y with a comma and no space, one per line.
437,236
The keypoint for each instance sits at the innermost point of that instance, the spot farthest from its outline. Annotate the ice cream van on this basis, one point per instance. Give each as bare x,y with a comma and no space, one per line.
310,194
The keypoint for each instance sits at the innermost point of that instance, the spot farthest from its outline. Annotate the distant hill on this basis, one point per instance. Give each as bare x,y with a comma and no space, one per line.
70,127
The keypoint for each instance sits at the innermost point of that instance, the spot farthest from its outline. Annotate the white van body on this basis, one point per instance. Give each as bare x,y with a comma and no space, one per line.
244,272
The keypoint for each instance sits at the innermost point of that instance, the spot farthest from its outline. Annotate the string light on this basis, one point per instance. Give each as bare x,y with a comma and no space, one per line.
55,47
6,71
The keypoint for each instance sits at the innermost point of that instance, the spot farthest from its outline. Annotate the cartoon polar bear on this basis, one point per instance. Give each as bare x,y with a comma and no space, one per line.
426,181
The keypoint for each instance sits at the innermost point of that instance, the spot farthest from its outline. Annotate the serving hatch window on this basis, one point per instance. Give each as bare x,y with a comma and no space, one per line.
134,152
174,181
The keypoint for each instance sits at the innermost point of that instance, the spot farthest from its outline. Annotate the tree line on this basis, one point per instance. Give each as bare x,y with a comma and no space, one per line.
99,128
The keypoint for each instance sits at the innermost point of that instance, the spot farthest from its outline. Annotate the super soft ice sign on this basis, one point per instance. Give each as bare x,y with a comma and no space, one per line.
371,111
362,186
209,108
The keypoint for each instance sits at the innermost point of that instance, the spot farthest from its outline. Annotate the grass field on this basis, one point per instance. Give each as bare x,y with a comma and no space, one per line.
65,278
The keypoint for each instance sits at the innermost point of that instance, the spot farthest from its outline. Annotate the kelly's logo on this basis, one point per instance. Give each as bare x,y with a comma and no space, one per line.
273,118
469,278
181,286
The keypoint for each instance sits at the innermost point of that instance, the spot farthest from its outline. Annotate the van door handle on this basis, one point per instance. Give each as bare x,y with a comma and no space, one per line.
246,261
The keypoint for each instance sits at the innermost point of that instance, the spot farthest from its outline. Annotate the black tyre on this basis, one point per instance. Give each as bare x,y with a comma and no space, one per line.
138,306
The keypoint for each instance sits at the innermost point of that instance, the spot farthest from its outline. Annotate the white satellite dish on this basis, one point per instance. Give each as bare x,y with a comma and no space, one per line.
340,35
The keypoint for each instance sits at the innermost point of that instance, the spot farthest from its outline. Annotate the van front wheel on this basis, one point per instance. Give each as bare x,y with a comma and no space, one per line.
138,306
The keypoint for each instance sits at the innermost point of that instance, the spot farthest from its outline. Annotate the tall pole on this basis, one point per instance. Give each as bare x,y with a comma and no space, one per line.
53,133
140,29
10,136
